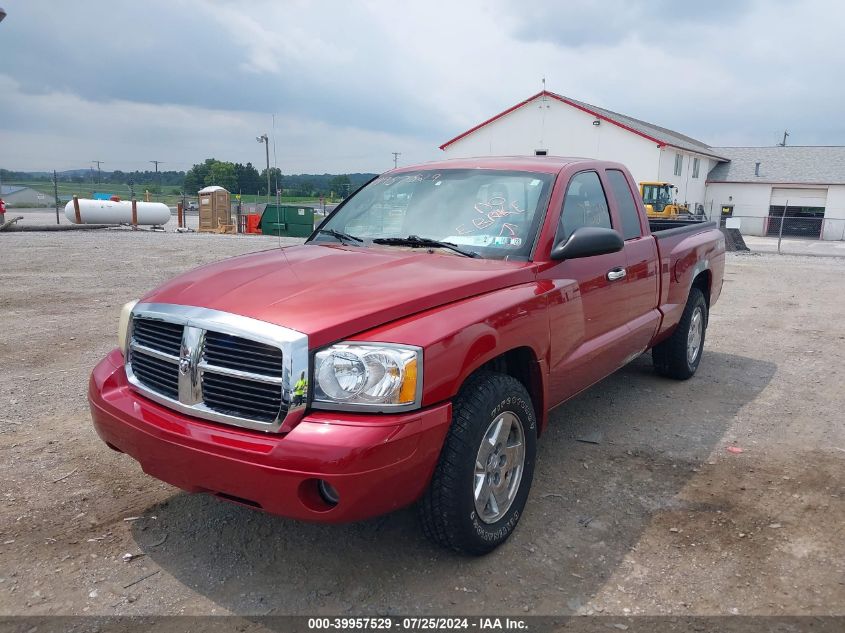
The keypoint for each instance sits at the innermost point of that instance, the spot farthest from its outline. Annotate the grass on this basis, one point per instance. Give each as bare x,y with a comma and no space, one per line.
250,199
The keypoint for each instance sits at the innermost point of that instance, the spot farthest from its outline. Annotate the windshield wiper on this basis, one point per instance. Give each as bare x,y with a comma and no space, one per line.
340,236
417,241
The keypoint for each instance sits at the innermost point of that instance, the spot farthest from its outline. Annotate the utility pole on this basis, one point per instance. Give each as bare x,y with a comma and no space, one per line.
56,194
396,156
98,169
266,140
157,177
783,142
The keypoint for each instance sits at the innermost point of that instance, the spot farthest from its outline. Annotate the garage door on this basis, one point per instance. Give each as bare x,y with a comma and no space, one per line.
803,217
799,197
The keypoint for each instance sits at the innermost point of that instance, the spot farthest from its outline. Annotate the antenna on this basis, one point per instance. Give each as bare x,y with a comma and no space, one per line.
543,107
396,156
783,142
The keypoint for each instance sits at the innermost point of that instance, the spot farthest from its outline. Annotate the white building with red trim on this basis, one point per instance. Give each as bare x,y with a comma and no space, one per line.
797,190
549,123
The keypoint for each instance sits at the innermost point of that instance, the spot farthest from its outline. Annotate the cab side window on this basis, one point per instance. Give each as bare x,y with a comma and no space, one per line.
584,205
627,207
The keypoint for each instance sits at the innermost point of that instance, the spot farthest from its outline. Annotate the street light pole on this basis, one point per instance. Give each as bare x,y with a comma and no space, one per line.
266,140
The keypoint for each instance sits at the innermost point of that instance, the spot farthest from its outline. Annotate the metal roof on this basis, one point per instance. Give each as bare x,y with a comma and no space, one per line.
660,135
793,164
7,190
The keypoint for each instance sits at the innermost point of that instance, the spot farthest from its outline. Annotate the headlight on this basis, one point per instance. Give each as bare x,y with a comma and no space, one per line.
378,376
123,325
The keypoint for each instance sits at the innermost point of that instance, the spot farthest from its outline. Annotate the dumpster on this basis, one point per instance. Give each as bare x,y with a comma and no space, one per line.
287,220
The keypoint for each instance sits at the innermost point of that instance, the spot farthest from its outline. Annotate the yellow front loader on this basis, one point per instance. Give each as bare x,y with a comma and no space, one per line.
658,198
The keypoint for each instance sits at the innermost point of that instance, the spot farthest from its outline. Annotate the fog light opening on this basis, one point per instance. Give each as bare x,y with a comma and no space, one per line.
328,492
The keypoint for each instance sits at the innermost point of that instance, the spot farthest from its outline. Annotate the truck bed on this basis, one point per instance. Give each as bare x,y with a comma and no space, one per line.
685,248
664,228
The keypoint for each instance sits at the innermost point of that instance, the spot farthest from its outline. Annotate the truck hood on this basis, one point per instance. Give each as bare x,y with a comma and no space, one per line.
332,291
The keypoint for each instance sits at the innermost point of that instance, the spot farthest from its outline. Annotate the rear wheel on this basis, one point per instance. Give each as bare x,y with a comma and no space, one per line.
484,473
679,355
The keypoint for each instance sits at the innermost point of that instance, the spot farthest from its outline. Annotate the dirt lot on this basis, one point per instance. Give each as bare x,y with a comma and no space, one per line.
657,518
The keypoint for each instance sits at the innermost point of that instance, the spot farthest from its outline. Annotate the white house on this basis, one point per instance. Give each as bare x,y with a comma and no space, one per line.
548,123
758,183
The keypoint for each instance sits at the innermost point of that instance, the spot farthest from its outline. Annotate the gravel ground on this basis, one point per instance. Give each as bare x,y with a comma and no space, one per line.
657,518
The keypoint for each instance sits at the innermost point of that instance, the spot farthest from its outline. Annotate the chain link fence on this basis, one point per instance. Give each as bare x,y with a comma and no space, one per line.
777,221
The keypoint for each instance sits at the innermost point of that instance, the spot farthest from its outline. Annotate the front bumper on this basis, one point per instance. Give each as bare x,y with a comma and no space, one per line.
376,462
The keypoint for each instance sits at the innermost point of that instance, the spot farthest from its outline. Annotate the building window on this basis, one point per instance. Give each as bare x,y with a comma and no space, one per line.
540,152
695,166
679,164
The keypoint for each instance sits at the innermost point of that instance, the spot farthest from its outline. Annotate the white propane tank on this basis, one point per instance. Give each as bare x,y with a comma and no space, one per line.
110,212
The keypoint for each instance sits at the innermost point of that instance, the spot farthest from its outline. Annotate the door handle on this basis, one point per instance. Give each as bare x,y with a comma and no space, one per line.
616,273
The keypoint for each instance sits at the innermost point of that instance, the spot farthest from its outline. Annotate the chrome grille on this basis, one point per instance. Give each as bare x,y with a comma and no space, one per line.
155,355
159,335
233,352
194,360
158,374
241,398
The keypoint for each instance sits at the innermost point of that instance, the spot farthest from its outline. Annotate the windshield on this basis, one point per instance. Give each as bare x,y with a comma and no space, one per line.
656,193
490,212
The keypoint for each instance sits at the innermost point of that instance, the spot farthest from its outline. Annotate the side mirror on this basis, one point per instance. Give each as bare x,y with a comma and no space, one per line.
588,241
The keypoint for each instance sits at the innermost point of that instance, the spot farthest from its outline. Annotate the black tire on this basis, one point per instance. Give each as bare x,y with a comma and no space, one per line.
448,509
671,357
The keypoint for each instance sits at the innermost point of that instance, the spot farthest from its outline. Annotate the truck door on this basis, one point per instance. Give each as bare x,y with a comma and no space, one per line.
588,315
641,259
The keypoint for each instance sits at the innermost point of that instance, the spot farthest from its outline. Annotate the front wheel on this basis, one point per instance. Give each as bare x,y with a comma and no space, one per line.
679,355
484,473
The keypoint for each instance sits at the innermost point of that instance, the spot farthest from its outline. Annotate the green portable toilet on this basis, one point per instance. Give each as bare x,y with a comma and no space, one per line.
287,220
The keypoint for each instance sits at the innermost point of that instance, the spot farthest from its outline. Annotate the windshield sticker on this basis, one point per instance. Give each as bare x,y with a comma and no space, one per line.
490,241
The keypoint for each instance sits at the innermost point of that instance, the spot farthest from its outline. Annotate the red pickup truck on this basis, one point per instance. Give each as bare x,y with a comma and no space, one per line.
411,349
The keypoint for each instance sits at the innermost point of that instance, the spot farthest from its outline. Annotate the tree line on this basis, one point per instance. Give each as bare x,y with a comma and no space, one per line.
236,177
246,179
165,178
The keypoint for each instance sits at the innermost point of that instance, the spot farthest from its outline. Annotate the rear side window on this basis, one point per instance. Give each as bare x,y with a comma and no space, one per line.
584,205
627,207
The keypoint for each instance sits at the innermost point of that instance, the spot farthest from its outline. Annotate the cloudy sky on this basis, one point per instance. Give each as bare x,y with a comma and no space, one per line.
350,82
